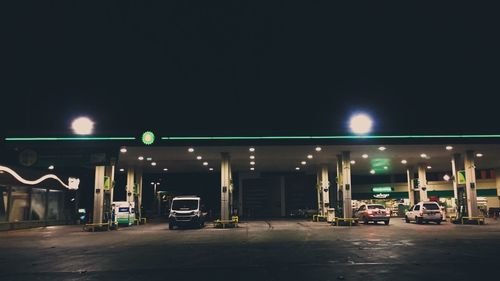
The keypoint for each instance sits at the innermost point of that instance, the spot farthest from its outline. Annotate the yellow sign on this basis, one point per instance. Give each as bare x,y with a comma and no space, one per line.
461,177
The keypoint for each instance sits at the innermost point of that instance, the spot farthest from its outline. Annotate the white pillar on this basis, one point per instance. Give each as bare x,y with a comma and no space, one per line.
346,179
110,173
130,185
231,191
470,184
339,179
422,182
138,175
325,187
454,161
319,194
225,186
411,193
240,196
98,194
283,196
497,176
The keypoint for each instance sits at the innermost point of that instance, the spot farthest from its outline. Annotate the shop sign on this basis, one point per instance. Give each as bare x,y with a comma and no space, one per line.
381,195
381,189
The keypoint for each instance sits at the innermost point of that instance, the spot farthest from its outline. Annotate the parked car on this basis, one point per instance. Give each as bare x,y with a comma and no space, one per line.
186,211
373,212
424,212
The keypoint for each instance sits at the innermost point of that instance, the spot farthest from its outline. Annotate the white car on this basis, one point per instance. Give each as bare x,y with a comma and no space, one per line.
374,213
424,212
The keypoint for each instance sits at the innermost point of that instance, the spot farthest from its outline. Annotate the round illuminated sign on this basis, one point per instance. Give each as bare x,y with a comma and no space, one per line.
148,138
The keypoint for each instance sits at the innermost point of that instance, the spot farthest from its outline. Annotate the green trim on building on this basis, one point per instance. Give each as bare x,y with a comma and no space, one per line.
68,138
325,137
490,192
369,195
487,192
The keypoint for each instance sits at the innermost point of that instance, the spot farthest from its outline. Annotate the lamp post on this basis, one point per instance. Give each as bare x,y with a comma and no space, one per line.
156,196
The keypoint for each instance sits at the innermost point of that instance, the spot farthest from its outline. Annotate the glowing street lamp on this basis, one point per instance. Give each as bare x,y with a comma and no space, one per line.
360,124
82,126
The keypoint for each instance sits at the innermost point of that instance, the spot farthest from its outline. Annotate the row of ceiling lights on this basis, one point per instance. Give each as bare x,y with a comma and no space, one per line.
199,157
252,157
423,155
310,156
140,158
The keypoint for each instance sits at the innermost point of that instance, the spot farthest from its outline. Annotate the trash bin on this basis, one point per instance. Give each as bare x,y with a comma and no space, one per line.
330,214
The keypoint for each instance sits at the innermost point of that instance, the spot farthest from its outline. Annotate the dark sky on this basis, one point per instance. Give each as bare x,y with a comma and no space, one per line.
239,68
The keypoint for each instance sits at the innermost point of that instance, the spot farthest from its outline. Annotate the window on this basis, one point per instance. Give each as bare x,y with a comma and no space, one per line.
3,203
376,207
56,205
430,206
185,205
417,208
38,198
19,210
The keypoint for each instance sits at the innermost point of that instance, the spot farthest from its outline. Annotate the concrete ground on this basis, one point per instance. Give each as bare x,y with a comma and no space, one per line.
257,250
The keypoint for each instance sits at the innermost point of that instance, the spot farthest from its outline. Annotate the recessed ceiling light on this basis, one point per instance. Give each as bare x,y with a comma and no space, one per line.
252,168
205,163
51,167
123,150
382,148
404,161
303,162
385,167
191,149
149,158
153,163
429,167
297,168
251,149
449,147
353,162
122,170
372,172
252,157
140,158
211,169
252,163
309,156
423,155
318,148
446,177
479,155
198,157
364,156
165,169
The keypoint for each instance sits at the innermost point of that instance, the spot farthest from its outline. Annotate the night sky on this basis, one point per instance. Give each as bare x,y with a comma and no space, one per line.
234,68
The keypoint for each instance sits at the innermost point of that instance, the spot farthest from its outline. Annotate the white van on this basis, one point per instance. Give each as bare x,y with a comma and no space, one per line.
124,212
186,210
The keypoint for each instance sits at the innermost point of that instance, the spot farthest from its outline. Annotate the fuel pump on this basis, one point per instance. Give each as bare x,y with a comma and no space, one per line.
461,204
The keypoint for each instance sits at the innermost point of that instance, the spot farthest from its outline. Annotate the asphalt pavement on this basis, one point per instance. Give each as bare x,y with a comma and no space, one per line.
256,250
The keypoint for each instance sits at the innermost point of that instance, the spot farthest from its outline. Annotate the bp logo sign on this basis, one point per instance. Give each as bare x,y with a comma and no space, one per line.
148,138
